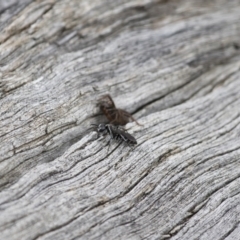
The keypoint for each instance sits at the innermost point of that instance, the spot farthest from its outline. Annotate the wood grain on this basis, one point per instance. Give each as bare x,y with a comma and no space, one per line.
174,65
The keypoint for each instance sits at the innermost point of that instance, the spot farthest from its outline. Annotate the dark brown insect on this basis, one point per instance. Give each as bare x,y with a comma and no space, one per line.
115,115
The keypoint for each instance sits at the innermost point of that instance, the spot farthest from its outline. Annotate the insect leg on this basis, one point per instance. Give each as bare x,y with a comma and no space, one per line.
110,131
115,120
108,144
127,114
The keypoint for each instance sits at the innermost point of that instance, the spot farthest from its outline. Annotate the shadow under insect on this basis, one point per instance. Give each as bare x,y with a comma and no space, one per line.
116,133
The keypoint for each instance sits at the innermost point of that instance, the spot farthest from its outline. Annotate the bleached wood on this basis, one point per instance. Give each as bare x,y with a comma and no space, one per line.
174,65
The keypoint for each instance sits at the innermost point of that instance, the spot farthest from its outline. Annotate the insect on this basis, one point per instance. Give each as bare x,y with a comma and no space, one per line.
115,115
115,132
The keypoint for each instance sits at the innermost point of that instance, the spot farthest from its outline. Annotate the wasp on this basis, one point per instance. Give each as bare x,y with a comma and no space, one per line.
115,132
115,115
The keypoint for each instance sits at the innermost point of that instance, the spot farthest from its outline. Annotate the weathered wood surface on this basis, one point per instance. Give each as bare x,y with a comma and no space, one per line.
174,64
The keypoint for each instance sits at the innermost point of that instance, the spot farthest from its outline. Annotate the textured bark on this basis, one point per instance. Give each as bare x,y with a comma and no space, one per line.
174,65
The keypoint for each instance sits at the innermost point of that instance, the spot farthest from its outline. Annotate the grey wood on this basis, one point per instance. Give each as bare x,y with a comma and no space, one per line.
174,65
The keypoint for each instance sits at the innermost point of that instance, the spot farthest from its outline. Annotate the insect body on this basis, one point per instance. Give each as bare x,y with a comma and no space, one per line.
115,132
115,115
